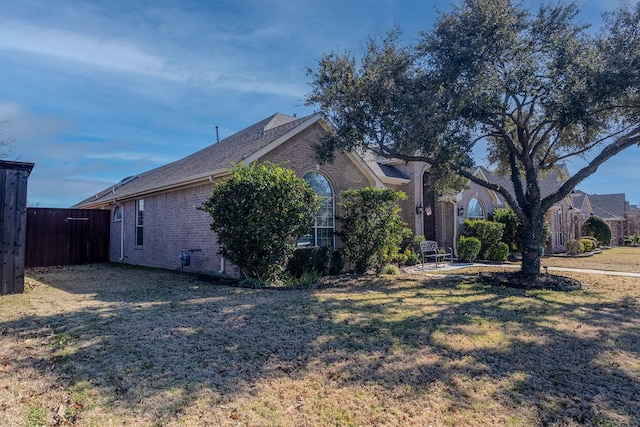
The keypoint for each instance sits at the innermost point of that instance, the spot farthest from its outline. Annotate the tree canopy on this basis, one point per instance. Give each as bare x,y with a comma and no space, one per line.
537,88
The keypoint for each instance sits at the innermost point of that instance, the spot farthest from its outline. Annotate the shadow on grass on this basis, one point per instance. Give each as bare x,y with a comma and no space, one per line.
151,348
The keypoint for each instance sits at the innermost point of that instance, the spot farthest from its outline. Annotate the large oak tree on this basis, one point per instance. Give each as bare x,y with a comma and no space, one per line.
538,88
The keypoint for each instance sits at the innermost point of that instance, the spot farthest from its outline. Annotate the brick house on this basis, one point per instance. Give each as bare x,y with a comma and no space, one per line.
154,216
613,209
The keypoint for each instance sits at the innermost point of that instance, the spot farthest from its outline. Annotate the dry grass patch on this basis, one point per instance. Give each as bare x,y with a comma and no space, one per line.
116,345
619,258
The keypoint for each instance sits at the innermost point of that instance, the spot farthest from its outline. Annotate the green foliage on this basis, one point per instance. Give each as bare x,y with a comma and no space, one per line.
390,269
37,417
498,252
593,240
545,234
415,243
598,228
573,247
537,87
336,265
512,224
412,258
307,260
488,232
372,228
307,279
468,248
258,214
588,244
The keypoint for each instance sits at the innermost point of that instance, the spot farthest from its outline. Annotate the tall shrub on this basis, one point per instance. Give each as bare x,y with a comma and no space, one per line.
258,214
372,228
488,232
598,228
512,224
467,248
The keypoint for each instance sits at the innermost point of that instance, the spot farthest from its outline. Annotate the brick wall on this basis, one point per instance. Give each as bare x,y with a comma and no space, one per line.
172,223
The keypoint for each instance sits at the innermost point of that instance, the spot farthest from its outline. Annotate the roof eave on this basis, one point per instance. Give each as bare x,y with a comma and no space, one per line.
105,201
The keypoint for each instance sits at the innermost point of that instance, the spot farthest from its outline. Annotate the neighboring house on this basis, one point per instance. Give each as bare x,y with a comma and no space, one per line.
154,216
632,213
611,208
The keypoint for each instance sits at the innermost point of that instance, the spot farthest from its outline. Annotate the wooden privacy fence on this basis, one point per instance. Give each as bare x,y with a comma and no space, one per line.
66,236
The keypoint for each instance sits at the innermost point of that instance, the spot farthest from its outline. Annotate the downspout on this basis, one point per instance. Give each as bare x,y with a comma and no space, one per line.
221,271
455,227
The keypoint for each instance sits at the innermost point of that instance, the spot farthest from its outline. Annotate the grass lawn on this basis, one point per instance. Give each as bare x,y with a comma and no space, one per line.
107,345
623,258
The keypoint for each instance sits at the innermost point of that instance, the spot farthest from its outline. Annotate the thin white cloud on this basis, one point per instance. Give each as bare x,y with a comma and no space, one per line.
72,49
116,55
129,157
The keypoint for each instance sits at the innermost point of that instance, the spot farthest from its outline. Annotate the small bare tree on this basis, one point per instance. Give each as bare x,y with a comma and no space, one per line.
6,143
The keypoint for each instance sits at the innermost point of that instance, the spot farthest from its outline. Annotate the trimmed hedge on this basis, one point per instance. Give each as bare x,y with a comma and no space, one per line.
488,232
588,245
499,252
468,248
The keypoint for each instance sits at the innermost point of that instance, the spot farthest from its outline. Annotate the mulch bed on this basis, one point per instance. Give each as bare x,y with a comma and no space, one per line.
520,281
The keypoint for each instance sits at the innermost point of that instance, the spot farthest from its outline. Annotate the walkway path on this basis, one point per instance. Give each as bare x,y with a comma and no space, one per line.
429,269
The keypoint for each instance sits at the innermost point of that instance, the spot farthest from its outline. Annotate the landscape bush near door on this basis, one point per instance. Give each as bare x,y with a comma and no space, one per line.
372,228
512,224
488,232
468,248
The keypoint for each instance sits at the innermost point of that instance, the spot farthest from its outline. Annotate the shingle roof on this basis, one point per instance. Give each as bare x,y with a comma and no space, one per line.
214,158
392,171
608,206
549,183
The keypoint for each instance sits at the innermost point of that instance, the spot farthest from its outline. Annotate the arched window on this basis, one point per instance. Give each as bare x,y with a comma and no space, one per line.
475,209
322,232
117,213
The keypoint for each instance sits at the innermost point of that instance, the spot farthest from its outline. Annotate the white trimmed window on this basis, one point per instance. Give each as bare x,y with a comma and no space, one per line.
139,222
117,214
322,233
475,210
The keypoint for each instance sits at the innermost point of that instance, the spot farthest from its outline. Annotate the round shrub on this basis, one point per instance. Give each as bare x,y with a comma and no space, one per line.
592,239
468,248
598,228
499,252
588,244
259,214
582,247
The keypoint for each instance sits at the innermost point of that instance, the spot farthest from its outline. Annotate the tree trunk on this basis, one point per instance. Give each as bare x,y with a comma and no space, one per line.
531,244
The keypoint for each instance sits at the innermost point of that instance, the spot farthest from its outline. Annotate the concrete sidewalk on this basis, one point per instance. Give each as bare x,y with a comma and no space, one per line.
430,269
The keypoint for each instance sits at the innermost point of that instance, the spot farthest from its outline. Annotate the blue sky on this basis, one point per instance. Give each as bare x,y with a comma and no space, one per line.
99,90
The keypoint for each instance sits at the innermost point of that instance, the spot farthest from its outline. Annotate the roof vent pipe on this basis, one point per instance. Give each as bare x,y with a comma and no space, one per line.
217,135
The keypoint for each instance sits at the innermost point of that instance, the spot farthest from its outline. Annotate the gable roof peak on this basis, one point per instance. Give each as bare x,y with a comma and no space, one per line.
277,120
